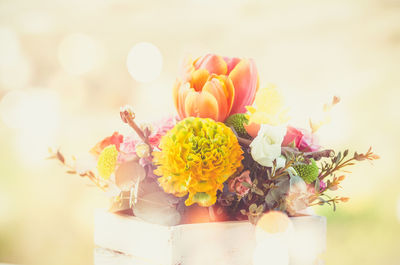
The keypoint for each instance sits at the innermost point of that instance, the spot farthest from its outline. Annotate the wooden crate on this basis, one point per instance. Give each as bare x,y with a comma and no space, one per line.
127,240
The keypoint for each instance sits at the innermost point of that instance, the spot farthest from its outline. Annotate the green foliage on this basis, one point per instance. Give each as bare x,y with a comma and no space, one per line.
236,122
308,172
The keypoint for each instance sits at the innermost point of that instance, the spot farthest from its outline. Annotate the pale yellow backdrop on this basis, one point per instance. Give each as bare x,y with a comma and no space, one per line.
66,59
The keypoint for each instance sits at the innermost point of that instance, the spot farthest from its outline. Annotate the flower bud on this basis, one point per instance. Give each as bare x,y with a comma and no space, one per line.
127,113
142,150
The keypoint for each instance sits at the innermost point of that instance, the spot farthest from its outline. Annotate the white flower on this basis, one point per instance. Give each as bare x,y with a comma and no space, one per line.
266,147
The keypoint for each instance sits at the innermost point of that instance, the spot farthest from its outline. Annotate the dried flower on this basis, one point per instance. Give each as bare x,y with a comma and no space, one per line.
126,112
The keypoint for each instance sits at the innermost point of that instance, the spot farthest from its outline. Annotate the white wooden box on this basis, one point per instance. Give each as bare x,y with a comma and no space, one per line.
127,240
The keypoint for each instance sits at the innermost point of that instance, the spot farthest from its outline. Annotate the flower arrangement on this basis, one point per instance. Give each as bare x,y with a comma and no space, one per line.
230,154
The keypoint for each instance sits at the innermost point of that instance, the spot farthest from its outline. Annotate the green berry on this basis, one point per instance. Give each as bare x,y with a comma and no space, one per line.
309,173
236,121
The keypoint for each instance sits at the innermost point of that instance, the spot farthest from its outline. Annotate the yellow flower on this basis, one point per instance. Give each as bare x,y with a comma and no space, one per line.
269,107
107,161
197,156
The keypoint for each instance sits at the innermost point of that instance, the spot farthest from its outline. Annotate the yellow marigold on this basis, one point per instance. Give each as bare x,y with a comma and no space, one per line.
197,156
107,161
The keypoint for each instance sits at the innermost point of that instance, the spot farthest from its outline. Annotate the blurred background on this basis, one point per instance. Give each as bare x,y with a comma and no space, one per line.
66,66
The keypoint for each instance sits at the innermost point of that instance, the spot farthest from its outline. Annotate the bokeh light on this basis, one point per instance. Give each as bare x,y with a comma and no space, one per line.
79,53
36,22
35,116
10,109
15,70
144,62
273,234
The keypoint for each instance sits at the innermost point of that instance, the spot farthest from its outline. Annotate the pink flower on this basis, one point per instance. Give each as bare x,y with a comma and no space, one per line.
322,185
164,126
128,146
302,139
236,184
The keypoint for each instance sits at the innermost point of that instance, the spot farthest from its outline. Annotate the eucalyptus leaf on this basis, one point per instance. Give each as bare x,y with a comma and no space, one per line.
128,174
278,192
297,185
120,202
158,208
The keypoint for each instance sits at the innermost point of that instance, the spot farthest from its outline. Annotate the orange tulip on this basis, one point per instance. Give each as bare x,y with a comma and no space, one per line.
215,87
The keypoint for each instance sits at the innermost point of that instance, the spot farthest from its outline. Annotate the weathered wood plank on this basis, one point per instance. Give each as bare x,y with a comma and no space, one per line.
134,241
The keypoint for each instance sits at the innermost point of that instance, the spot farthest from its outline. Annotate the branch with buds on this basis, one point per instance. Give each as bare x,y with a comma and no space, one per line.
71,169
128,117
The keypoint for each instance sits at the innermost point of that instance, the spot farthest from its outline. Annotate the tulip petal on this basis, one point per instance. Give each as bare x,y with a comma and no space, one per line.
199,78
184,89
214,64
201,104
231,63
245,81
229,91
175,93
217,89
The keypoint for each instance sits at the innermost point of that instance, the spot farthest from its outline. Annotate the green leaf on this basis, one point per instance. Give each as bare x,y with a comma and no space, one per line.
258,191
317,185
253,208
247,185
270,199
260,209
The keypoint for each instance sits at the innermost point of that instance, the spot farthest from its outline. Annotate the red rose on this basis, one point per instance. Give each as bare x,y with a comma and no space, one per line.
303,140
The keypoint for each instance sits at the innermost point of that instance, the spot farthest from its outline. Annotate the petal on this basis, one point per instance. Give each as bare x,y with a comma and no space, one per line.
201,104
214,64
199,78
245,81
217,88
252,129
229,91
175,93
231,63
184,89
